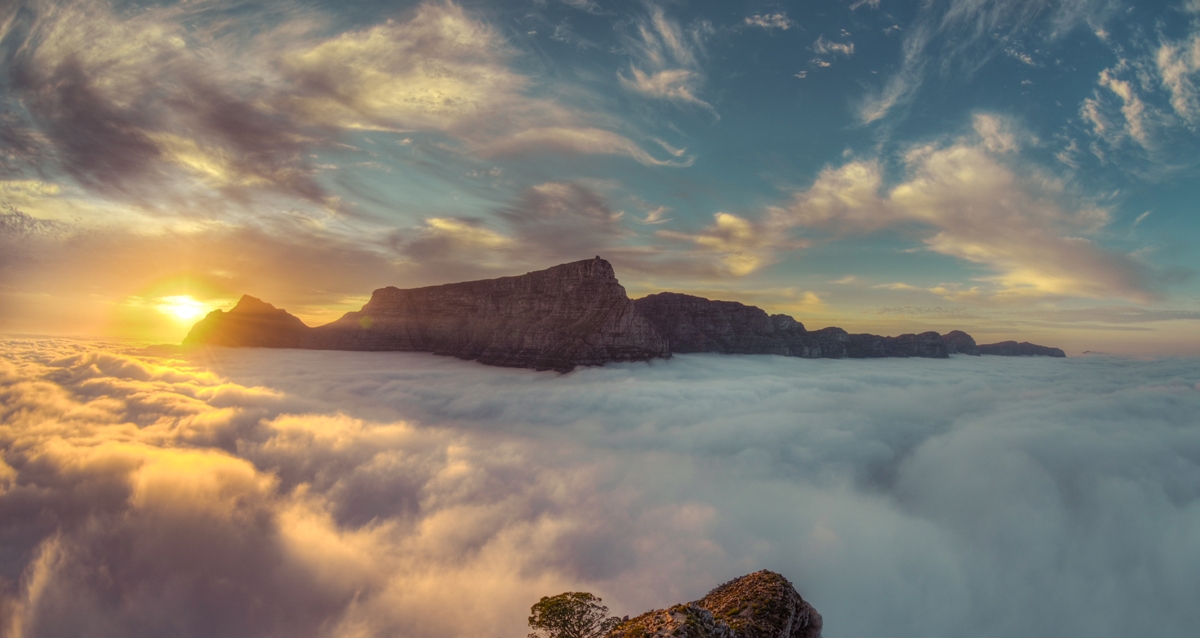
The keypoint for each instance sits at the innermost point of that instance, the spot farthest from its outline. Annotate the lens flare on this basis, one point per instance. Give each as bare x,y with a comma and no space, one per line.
181,307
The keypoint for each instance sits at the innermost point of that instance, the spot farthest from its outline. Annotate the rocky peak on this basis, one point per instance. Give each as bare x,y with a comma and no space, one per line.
253,323
759,605
253,305
959,342
763,605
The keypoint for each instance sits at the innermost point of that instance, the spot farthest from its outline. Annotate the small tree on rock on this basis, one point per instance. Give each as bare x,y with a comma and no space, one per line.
574,614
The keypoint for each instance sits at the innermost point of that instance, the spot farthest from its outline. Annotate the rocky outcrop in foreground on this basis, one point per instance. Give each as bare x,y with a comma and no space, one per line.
760,605
569,315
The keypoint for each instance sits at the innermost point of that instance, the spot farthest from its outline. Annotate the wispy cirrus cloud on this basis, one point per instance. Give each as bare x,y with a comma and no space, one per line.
1178,66
958,39
1133,110
667,58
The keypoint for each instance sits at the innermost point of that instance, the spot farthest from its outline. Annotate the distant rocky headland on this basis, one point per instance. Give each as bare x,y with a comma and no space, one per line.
566,316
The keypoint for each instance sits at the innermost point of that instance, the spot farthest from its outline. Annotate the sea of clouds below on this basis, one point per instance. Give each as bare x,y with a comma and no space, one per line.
159,491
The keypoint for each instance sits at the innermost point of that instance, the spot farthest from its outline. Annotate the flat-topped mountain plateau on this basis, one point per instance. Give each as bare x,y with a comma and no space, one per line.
565,316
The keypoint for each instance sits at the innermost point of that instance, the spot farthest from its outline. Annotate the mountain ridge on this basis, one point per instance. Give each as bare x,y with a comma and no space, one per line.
562,317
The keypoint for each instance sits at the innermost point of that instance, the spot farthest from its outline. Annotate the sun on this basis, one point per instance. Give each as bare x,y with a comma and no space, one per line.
181,307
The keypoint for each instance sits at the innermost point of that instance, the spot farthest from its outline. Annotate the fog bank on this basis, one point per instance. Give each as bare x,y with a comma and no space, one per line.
269,493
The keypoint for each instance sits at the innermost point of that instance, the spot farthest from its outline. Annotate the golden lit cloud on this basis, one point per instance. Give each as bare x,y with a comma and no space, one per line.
210,164
468,234
740,245
437,70
576,140
1018,221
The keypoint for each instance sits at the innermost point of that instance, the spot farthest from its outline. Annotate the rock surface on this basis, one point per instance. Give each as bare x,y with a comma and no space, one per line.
696,324
759,605
1023,349
569,315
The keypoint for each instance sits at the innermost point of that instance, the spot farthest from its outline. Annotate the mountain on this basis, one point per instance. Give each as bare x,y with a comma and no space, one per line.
569,315
553,319
696,324
759,605
1023,349
959,342
253,323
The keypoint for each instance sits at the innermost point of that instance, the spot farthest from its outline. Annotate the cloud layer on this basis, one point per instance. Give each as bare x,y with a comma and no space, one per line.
248,492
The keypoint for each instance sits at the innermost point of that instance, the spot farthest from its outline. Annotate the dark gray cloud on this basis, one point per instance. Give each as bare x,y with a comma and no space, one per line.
127,101
248,492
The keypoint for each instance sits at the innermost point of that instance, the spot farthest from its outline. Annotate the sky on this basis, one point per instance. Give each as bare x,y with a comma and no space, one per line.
257,492
1022,169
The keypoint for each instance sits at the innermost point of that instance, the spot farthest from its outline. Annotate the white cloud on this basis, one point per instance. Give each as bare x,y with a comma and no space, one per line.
671,84
589,6
666,61
823,46
349,494
1023,224
1132,107
996,132
769,21
1020,56
1178,65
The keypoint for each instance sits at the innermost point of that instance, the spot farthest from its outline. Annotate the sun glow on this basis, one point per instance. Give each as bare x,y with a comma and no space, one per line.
181,307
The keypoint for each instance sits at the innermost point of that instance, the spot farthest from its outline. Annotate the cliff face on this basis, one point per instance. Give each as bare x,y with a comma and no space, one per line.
760,605
553,319
696,324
